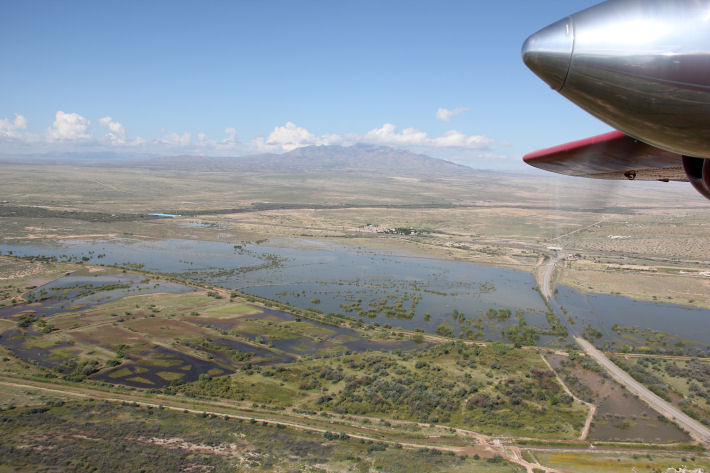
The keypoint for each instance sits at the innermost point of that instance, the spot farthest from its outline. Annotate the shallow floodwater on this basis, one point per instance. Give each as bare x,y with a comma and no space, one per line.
383,286
21,344
638,321
346,338
398,287
75,292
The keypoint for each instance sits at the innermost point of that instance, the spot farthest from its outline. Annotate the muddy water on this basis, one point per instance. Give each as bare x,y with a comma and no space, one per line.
358,281
329,277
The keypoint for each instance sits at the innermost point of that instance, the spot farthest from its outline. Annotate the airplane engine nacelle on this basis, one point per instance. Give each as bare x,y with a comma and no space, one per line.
698,172
642,66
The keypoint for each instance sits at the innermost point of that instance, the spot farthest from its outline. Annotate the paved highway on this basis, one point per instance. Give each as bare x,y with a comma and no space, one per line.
696,430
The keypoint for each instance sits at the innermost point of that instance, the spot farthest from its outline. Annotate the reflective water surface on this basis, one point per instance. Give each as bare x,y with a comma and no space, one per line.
392,287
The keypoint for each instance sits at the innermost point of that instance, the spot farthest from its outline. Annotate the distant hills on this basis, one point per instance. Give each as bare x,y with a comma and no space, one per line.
357,158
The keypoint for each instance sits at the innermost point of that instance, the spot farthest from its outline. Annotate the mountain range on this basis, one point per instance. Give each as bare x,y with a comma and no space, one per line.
355,158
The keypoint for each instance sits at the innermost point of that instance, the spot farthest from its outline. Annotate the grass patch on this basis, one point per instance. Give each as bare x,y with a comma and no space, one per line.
140,379
162,363
231,310
170,375
620,463
121,373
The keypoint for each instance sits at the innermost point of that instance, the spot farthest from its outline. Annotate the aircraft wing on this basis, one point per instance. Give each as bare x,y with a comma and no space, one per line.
612,155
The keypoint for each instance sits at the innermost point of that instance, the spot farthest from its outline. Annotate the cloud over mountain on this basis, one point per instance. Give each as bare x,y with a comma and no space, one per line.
72,132
117,132
69,127
292,136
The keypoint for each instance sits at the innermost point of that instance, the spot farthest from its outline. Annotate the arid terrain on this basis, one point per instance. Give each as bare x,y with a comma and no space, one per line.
190,312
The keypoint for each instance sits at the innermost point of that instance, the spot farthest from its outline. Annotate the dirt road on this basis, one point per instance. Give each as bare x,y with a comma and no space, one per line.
485,445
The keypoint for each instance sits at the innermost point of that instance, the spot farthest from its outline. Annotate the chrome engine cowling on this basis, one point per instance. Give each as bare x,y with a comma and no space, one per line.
698,172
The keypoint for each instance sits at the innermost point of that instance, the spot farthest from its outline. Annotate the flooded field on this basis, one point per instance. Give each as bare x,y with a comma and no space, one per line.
83,290
29,346
90,323
373,285
159,367
617,323
398,289
330,338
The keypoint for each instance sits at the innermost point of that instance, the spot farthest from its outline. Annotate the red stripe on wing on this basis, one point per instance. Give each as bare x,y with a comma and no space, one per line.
612,155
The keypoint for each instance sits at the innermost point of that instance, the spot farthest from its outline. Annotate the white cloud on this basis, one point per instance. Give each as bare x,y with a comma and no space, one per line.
14,128
288,138
117,132
230,139
175,139
388,135
292,136
204,142
457,139
446,114
69,127
187,143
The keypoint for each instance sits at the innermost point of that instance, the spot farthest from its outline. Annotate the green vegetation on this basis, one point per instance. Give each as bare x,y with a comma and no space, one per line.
39,212
591,334
494,389
485,389
686,383
230,310
96,436
648,341
620,416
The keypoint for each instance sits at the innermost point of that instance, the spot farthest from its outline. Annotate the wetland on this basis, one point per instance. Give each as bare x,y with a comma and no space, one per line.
394,288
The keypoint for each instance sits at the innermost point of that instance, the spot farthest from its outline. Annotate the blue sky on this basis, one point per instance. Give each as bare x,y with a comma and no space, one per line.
239,77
